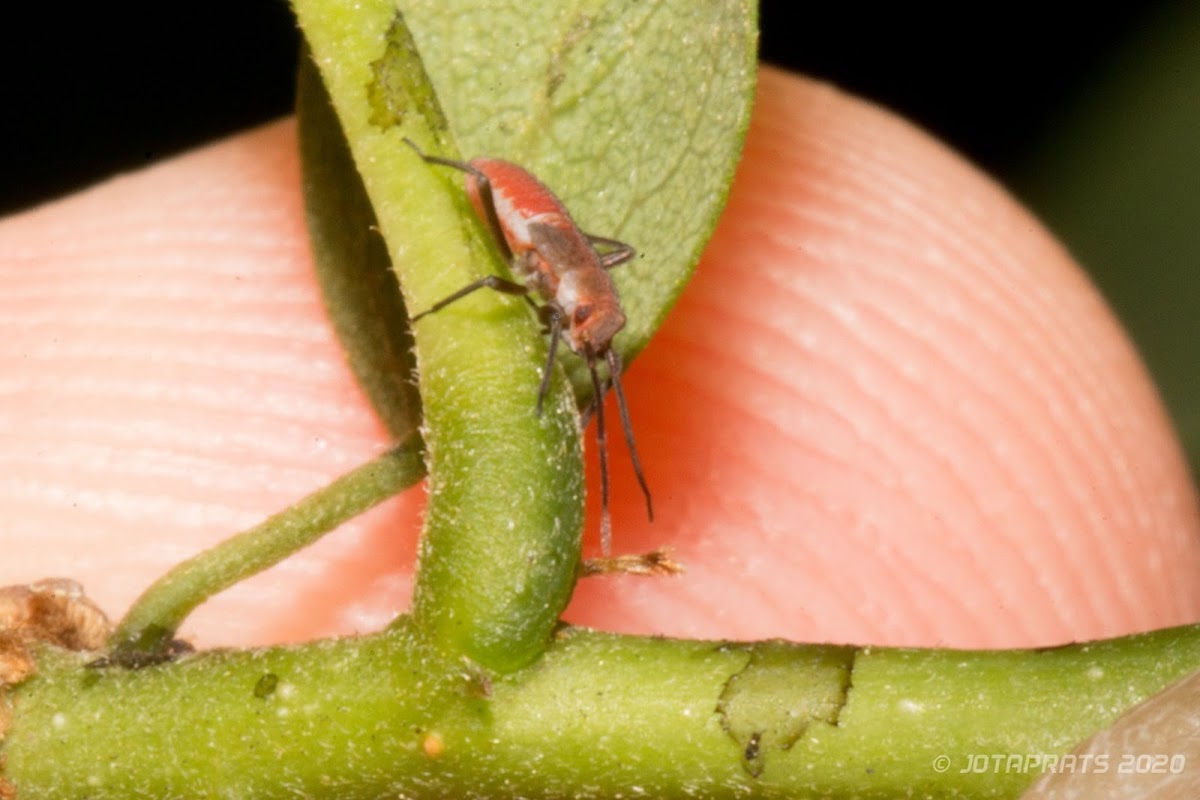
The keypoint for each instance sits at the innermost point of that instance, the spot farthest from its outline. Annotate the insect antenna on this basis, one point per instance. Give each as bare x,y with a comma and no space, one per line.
602,449
614,375
585,416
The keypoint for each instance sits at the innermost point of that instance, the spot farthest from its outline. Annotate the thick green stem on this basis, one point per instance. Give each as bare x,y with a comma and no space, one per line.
501,544
600,715
149,626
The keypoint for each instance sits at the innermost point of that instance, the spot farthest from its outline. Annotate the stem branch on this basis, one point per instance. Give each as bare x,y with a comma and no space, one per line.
150,624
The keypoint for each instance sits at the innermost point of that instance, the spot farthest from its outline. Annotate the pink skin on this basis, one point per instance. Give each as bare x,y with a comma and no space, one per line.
889,409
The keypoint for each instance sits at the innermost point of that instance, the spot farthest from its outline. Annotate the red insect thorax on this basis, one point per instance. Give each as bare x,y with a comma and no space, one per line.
518,188
519,199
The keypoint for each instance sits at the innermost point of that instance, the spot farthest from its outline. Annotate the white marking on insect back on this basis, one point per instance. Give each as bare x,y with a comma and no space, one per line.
567,295
514,222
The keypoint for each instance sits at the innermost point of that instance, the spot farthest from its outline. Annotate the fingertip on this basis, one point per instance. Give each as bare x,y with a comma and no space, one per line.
171,378
890,409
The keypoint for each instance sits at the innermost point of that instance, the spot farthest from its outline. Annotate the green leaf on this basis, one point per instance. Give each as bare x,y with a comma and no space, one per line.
352,262
634,113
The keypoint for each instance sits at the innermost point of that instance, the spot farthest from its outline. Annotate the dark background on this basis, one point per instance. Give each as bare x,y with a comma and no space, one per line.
107,87
1090,116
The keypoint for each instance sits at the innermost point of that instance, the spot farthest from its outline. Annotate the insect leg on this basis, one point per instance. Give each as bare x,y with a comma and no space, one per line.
483,186
614,374
618,255
602,451
555,324
490,282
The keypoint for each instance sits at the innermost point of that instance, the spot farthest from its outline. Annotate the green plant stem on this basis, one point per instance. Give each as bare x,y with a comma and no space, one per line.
501,545
599,715
150,625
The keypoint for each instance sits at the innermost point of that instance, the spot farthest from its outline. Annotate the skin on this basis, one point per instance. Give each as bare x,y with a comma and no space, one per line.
890,409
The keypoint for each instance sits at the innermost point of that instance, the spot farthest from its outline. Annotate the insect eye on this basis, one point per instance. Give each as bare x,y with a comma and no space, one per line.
582,312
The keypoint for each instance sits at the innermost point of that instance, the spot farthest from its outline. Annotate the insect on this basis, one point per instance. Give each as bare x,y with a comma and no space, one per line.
568,270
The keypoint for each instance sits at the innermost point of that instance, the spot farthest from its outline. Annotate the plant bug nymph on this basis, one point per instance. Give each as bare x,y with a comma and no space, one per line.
568,270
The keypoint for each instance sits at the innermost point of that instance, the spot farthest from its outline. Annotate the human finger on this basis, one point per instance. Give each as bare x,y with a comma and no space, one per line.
891,409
